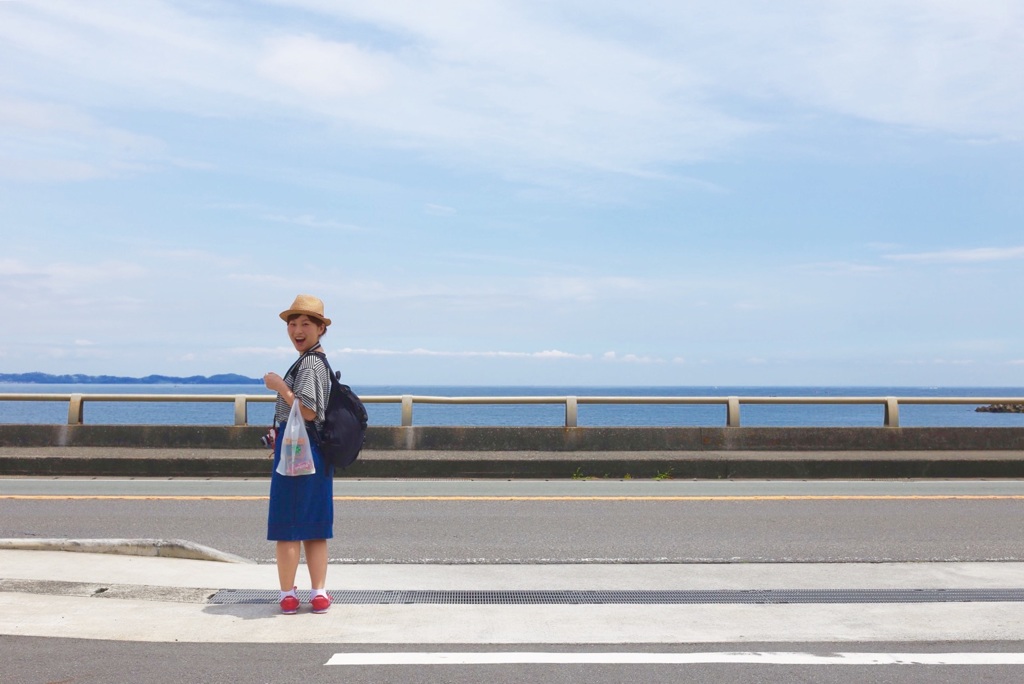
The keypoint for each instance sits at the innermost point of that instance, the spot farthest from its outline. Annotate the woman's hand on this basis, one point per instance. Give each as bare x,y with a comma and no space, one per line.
275,383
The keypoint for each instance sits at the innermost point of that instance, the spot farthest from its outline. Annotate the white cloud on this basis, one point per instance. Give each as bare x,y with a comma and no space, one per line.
546,354
193,256
64,276
585,290
440,210
506,80
311,221
48,170
14,268
935,65
520,263
520,86
841,268
319,68
141,52
277,282
636,358
555,354
277,351
77,353
614,357
36,116
550,354
51,142
962,256
498,84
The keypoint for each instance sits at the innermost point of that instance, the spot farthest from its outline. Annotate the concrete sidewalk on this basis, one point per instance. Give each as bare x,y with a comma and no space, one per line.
774,464
52,593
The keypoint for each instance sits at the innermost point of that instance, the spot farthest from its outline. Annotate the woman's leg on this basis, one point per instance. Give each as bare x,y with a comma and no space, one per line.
316,559
288,563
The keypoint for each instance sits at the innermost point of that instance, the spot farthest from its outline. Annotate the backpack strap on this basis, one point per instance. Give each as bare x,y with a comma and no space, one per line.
313,351
323,357
303,355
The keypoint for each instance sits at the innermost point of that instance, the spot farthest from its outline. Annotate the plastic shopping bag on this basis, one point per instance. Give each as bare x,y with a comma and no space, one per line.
296,453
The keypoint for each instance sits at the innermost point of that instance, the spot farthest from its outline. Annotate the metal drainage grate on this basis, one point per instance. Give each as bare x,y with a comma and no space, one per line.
642,597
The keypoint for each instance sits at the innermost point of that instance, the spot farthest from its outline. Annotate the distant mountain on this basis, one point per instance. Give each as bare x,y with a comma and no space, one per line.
78,379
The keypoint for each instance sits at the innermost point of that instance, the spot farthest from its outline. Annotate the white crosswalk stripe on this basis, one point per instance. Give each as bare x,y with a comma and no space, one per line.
634,658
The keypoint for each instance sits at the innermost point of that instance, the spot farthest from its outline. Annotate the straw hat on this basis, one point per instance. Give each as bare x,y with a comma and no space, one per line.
309,305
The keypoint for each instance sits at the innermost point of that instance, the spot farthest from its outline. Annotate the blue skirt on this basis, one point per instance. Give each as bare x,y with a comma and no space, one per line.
301,507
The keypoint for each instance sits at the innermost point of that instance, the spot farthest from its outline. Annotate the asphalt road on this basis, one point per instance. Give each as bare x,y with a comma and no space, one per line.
557,521
49,661
527,522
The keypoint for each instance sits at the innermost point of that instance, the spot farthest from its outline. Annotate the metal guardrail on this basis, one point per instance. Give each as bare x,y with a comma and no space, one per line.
76,402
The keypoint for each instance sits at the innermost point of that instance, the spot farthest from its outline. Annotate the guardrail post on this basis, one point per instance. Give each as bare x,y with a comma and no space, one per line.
892,412
571,411
732,412
75,409
241,410
406,410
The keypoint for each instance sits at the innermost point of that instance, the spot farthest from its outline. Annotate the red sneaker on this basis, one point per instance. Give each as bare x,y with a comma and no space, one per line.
321,603
290,604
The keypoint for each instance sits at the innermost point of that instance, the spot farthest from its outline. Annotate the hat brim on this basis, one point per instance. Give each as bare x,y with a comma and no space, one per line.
311,314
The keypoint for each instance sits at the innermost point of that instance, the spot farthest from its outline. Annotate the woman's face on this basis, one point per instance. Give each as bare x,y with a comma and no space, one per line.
304,332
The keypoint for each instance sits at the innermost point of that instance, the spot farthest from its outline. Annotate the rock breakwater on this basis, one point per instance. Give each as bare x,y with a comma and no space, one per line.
1001,408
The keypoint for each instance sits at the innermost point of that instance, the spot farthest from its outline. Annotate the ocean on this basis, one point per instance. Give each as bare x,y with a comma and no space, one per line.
826,415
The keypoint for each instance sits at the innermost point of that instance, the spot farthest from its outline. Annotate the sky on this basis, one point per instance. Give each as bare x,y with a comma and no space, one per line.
517,192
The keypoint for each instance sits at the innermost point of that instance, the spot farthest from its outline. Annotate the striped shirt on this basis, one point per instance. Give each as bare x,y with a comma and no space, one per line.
311,384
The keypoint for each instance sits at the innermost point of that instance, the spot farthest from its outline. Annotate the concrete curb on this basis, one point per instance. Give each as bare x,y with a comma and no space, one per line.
163,548
555,439
789,464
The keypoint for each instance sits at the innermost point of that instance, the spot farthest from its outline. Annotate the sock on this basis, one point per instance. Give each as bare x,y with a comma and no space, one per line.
319,592
290,592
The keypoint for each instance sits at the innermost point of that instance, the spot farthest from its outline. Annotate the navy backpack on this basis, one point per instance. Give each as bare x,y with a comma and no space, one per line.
344,429
345,419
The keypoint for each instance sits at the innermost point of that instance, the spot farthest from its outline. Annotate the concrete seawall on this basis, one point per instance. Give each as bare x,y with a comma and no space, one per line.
630,439
534,452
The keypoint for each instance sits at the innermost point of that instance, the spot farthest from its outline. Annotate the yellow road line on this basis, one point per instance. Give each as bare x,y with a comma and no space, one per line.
779,497
738,498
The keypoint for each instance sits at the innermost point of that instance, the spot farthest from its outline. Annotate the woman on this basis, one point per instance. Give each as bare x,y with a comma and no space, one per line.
302,508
